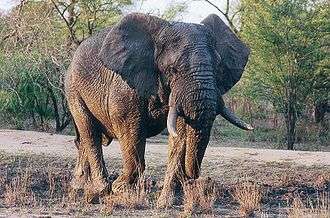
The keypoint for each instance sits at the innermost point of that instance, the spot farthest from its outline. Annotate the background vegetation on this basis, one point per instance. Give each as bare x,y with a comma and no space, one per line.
284,91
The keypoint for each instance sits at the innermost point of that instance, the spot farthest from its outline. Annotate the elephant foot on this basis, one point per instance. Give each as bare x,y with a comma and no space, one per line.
93,196
121,184
92,189
165,201
78,183
172,188
101,185
82,172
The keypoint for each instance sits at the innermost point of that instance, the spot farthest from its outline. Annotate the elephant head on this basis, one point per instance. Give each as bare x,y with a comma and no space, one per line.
198,63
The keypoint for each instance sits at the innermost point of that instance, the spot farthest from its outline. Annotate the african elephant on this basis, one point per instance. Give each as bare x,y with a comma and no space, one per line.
144,74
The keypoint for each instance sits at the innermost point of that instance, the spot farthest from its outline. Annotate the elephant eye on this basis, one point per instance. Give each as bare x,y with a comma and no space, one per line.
172,70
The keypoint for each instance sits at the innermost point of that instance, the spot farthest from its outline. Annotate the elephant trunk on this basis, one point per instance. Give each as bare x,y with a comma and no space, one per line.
193,97
199,98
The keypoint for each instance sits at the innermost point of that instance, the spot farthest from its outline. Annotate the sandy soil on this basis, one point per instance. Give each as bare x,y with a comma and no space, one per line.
15,141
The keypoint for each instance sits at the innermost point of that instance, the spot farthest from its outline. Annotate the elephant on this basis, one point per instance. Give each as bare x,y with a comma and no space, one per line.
132,80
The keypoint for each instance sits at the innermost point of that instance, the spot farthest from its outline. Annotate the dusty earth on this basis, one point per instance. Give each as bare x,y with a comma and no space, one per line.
281,174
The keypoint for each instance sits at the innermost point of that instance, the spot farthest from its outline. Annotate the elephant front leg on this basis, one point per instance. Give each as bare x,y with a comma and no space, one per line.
197,140
175,166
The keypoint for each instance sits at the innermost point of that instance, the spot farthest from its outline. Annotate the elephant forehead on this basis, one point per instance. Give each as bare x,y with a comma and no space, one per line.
184,32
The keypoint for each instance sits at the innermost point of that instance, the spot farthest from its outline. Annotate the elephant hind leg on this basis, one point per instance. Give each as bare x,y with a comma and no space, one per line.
77,139
90,172
133,149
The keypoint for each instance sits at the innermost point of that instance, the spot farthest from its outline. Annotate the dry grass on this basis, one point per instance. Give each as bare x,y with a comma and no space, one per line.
285,180
52,183
3,179
322,181
308,208
248,195
18,192
41,183
199,196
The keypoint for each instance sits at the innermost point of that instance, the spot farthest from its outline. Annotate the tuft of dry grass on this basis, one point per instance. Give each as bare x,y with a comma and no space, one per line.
322,181
52,183
199,196
248,195
286,180
3,179
18,192
308,208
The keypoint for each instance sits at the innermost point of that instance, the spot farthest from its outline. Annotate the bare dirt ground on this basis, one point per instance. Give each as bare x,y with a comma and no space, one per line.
48,159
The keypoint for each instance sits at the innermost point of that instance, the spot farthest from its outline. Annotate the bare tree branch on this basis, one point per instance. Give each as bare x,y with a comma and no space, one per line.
69,23
216,7
227,7
8,36
226,14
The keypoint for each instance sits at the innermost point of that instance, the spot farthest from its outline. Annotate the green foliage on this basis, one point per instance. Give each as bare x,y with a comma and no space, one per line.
286,38
171,12
37,41
24,89
35,50
84,17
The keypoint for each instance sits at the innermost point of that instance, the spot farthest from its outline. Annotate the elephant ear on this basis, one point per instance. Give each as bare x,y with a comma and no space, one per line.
128,50
233,52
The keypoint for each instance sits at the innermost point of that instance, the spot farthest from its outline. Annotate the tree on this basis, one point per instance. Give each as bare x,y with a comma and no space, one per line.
83,17
285,37
37,41
230,13
34,60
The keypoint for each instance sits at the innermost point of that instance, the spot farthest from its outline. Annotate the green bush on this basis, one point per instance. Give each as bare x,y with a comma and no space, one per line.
26,91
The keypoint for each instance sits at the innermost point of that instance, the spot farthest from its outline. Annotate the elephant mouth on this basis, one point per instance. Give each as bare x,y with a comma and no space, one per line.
222,110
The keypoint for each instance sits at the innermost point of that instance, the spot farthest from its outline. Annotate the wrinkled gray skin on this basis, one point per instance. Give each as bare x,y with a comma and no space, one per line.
131,81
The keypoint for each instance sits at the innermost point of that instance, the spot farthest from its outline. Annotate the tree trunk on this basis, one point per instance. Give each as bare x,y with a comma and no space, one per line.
59,125
56,113
290,119
321,110
34,122
324,132
71,16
